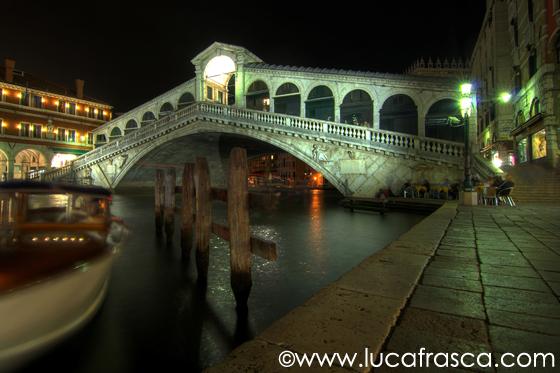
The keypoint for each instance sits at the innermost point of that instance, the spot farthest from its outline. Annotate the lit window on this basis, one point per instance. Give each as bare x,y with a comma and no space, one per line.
61,135
37,101
71,108
538,144
71,136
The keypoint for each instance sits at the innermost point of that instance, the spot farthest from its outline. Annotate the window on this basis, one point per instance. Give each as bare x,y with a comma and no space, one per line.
100,114
522,150
209,93
516,79
61,135
71,136
535,107
558,49
532,62
90,138
24,98
538,144
515,32
24,129
61,106
221,97
71,108
37,101
530,10
36,131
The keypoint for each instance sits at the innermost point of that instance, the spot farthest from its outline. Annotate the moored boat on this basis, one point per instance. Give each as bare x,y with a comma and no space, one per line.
57,244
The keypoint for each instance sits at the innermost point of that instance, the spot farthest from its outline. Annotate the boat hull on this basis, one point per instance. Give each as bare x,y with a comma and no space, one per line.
41,314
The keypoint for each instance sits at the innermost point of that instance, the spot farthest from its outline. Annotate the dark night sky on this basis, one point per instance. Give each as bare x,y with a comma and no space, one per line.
128,54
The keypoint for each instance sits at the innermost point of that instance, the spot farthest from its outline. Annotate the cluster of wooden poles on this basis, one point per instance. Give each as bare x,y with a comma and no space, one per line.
196,212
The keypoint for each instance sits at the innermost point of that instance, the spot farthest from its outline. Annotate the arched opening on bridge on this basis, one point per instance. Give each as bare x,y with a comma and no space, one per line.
100,139
28,160
4,164
399,114
115,133
147,118
258,96
185,100
320,104
437,121
131,126
231,90
217,76
165,110
357,108
287,100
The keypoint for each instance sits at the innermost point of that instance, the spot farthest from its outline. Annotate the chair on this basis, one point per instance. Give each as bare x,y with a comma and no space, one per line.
490,196
505,198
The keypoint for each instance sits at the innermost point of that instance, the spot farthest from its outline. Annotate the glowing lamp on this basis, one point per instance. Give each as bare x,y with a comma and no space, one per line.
43,100
87,110
18,95
466,88
466,103
56,103
18,126
67,105
505,97
104,113
95,111
497,162
4,124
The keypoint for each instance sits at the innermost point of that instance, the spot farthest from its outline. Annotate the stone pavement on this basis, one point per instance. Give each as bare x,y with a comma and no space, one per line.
465,279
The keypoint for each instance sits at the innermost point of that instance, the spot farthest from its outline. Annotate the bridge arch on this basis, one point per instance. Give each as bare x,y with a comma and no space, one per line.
399,113
257,96
186,99
165,110
357,108
287,99
320,103
131,125
147,118
4,166
27,160
201,128
115,133
437,123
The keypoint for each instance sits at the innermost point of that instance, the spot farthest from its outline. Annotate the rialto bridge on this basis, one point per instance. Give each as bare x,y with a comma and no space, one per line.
361,130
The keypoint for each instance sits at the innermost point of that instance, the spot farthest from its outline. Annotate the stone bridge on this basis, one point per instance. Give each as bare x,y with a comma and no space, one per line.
355,159
361,130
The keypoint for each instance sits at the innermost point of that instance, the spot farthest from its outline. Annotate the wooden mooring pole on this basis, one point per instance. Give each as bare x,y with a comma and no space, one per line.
158,203
169,204
239,231
203,223
187,218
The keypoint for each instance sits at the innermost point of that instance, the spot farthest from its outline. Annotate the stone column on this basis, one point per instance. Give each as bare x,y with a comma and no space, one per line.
240,85
336,113
376,120
199,85
302,106
421,125
11,162
552,140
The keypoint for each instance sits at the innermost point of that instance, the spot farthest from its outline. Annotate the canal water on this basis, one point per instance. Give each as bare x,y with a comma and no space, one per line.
156,317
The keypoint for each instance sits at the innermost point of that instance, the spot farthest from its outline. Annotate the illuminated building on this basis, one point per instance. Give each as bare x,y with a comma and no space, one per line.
43,125
516,67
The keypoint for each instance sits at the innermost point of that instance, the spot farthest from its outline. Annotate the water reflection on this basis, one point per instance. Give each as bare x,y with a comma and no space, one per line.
156,314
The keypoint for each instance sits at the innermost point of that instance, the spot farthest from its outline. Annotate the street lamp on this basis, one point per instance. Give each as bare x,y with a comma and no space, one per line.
466,107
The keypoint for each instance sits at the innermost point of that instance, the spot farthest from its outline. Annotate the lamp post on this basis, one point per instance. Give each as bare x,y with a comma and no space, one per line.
466,107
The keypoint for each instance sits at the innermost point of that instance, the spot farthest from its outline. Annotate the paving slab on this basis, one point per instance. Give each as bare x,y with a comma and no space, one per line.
536,324
452,282
515,282
455,302
523,307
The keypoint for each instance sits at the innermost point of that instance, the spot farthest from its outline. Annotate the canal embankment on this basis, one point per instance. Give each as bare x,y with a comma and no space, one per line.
481,279
358,310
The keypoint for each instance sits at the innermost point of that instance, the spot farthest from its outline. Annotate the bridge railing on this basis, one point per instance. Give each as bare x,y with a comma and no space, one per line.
405,143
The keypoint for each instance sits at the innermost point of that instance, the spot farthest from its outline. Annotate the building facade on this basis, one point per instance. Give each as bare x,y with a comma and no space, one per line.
518,52
43,125
281,168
